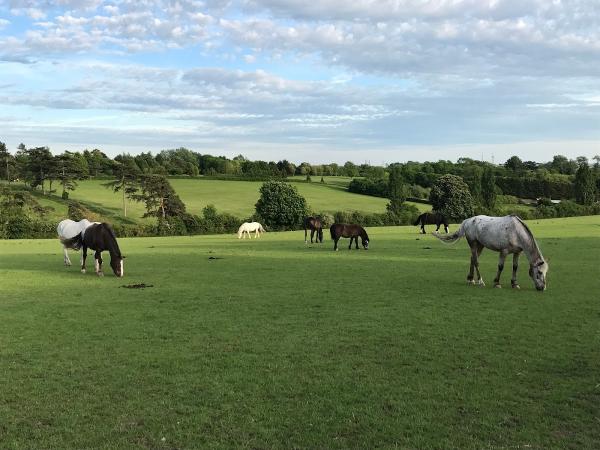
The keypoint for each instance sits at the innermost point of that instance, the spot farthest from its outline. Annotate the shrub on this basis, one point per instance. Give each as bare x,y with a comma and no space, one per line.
281,206
450,196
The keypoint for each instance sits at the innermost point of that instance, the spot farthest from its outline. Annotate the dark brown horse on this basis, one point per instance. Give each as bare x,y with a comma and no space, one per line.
314,224
340,230
432,218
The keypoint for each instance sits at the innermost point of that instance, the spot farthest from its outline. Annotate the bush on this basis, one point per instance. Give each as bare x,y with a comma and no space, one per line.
368,186
450,196
281,206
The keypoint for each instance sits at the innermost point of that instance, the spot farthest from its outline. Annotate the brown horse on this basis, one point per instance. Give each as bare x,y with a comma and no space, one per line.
313,224
352,231
432,218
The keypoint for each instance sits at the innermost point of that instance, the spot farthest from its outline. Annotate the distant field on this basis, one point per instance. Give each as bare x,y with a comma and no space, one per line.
271,343
235,197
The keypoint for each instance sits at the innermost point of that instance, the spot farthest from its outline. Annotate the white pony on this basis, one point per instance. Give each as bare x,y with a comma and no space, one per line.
250,227
508,234
70,234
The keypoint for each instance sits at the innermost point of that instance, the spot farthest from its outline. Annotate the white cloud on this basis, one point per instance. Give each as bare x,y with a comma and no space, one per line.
362,74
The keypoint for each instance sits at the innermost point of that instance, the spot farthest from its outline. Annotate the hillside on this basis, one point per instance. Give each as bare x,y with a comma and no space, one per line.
234,197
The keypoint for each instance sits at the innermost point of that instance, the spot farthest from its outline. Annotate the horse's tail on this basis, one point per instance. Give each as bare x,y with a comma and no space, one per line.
332,233
74,243
418,219
451,238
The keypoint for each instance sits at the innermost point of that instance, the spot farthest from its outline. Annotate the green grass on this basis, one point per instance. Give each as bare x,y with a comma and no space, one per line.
283,345
235,197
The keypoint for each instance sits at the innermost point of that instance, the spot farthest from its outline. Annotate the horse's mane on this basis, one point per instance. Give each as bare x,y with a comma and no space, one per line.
112,234
529,233
364,233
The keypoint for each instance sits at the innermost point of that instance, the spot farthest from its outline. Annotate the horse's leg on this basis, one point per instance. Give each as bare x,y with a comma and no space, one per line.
513,280
446,227
356,241
305,236
500,269
423,227
98,263
312,235
335,244
438,227
83,257
472,266
66,258
479,249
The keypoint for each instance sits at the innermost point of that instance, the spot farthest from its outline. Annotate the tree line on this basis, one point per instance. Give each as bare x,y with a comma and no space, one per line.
560,178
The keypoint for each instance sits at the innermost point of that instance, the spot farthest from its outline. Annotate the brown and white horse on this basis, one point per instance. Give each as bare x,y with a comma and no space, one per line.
94,235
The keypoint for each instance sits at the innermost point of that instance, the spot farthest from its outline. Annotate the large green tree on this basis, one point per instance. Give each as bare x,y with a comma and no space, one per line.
396,190
280,205
585,184
126,179
159,197
450,196
69,168
488,188
39,166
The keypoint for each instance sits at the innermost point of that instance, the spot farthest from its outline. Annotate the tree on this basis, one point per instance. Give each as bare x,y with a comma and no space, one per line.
450,196
514,163
39,166
473,177
159,197
280,205
585,184
7,163
396,189
126,173
488,188
350,169
69,168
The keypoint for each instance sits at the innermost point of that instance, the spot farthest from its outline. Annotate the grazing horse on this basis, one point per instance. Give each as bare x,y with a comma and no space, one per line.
432,218
314,224
250,227
508,234
340,230
70,235
96,236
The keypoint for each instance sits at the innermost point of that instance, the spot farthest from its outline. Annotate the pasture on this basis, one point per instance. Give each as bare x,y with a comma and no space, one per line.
272,343
234,197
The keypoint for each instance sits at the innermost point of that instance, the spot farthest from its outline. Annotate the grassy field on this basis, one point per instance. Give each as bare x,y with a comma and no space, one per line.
275,344
235,197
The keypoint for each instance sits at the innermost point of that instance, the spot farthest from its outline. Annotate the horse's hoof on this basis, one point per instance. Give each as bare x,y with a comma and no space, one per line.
82,270
481,283
470,282
100,274
516,286
497,286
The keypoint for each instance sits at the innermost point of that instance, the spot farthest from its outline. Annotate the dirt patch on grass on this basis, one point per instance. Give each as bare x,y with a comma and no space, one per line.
137,286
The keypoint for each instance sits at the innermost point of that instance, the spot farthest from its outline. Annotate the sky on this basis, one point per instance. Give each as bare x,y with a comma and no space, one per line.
375,81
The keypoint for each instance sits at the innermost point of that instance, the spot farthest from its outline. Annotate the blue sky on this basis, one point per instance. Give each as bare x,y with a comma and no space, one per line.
378,81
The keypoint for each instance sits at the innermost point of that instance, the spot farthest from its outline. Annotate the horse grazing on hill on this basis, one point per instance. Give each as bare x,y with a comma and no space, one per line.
250,227
94,235
340,230
508,234
313,224
432,218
